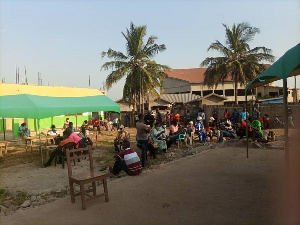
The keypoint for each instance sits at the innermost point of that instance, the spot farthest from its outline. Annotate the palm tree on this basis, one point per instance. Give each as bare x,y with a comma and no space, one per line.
143,75
238,62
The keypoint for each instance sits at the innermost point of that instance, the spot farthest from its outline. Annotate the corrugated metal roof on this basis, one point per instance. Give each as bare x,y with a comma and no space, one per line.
179,98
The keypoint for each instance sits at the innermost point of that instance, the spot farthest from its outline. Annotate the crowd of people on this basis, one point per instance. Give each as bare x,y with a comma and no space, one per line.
69,139
152,135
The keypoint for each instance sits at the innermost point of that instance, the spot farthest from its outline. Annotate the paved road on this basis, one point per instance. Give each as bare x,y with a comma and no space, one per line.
218,186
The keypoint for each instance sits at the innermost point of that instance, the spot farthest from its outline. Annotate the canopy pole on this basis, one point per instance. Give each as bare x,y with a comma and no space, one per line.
286,122
247,133
40,144
4,128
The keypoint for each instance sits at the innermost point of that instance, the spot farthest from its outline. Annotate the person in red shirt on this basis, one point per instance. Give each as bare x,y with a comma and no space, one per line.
242,129
67,142
127,160
226,114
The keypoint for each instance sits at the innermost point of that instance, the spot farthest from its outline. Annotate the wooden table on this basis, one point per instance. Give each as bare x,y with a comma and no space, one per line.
49,138
47,149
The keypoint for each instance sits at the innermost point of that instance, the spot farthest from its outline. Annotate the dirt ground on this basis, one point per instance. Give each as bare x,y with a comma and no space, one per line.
213,185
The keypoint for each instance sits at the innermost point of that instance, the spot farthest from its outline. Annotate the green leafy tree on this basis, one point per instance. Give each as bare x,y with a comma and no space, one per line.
143,75
238,62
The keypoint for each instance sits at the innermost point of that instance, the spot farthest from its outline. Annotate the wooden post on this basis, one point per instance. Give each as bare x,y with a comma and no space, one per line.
286,122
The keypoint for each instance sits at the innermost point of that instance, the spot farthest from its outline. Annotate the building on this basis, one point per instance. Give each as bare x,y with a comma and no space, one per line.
192,81
60,94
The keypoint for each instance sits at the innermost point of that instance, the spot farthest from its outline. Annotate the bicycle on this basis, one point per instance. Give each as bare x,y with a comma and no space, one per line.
277,121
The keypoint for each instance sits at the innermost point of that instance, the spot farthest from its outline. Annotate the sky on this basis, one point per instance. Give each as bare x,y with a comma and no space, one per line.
63,39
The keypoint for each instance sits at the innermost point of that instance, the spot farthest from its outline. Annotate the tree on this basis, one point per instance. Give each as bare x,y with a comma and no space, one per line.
238,62
143,75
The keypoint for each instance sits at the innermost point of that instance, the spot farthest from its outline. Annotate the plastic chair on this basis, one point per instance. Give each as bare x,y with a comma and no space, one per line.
181,137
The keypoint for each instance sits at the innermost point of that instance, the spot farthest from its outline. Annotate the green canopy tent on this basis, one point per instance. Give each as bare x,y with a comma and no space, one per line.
39,107
286,66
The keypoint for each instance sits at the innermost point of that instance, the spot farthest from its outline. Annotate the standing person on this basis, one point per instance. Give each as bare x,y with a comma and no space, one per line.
149,119
136,118
244,114
235,116
171,118
226,114
127,160
255,114
177,117
142,131
168,118
215,116
158,116
290,117
126,120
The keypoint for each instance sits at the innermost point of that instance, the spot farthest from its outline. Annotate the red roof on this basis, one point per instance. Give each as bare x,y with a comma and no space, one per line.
193,75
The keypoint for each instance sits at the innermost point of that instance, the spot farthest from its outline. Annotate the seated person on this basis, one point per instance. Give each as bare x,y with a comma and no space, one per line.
199,130
266,121
24,131
71,128
226,130
190,128
255,131
121,136
151,147
67,142
75,137
158,135
97,124
127,160
53,131
210,129
174,128
241,132
85,124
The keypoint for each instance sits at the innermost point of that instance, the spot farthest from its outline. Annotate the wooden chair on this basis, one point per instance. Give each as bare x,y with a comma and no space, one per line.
82,179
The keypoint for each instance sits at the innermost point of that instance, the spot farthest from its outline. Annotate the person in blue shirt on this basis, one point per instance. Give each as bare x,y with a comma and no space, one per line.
24,131
235,116
244,114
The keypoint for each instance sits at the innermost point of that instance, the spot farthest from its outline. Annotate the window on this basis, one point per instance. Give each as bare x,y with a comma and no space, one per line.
229,92
219,92
196,93
273,94
241,92
207,92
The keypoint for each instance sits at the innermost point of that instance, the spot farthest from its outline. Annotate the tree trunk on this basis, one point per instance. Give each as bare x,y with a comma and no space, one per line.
235,92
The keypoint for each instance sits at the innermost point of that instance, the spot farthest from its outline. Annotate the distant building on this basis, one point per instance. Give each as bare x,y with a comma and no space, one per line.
191,81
